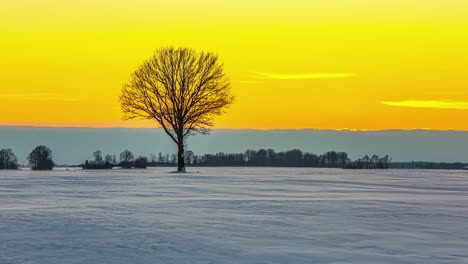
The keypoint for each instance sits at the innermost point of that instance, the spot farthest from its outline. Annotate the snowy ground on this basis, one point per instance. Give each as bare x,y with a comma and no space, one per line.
234,215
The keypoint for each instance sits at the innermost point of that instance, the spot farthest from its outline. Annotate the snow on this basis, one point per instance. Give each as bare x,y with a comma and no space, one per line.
234,215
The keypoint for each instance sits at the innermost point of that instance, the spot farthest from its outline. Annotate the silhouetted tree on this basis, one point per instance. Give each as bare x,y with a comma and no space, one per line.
97,155
8,159
153,158
96,164
181,89
250,155
141,162
126,159
40,158
160,158
108,158
373,162
189,156
294,157
384,162
174,159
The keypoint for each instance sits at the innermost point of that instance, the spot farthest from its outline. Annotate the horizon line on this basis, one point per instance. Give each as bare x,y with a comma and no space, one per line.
254,129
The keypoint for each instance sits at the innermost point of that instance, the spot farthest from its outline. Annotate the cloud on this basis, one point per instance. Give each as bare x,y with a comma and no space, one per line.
304,76
430,104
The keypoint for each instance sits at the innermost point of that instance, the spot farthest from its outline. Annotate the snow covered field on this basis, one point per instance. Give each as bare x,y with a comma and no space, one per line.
234,215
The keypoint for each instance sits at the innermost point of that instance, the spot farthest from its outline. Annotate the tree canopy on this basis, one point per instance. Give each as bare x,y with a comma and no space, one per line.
8,159
181,89
40,158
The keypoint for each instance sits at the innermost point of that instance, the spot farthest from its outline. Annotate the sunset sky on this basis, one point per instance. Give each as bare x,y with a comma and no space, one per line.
326,64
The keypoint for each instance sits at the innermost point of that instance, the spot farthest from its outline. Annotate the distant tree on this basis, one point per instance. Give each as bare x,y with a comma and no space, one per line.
174,159
366,160
40,158
250,155
189,156
141,162
95,165
384,162
294,157
126,159
97,155
8,159
153,158
311,160
126,156
261,158
108,158
271,154
182,90
343,159
370,163
374,160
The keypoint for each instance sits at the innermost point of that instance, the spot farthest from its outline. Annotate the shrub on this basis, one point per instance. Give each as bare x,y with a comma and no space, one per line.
40,158
8,159
141,162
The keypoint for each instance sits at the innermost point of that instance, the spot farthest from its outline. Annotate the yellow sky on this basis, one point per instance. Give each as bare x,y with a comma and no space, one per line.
357,64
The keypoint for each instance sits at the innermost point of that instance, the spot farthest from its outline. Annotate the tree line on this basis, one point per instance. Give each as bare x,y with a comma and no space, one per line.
126,161
261,157
290,158
429,165
270,158
40,158
374,162
249,158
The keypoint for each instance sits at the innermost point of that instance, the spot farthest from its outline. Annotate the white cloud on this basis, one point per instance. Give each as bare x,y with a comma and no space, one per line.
430,104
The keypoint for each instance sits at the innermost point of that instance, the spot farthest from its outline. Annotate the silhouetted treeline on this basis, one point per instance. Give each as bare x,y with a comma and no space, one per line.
40,158
270,158
127,161
261,157
428,165
96,164
374,162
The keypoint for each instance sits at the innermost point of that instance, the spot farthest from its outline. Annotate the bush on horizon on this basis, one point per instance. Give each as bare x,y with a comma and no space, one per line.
40,158
8,159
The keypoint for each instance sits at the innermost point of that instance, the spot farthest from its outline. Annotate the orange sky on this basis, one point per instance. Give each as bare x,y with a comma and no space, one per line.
334,64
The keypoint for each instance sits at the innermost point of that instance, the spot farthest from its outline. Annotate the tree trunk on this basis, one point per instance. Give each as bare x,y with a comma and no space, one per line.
180,155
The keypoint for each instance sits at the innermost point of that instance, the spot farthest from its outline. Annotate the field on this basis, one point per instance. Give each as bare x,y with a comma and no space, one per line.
234,215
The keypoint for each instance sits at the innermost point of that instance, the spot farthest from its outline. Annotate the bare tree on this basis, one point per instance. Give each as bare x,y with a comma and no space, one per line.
181,89
108,158
97,155
126,158
189,156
